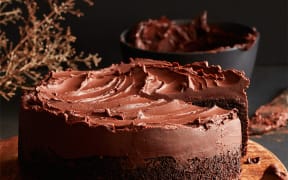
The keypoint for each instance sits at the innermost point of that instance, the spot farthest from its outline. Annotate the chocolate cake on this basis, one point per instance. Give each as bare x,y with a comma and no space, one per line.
197,35
143,120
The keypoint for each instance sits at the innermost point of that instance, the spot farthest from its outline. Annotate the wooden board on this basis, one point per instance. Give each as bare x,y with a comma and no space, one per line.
9,168
255,171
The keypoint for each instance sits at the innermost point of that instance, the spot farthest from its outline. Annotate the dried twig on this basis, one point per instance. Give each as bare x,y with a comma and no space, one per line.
44,44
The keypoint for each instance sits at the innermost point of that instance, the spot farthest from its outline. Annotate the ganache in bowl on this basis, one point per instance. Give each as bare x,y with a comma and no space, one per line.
230,45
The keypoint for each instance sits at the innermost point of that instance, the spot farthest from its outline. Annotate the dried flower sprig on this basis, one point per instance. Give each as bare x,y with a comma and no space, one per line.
44,44
8,16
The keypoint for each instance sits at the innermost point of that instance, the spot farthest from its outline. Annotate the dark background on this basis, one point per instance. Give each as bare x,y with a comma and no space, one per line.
99,30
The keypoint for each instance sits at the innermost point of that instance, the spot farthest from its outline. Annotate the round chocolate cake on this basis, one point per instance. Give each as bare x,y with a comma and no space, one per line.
143,120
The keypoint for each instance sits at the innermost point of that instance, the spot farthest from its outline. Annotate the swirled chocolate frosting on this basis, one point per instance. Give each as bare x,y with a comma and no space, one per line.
143,91
165,35
146,104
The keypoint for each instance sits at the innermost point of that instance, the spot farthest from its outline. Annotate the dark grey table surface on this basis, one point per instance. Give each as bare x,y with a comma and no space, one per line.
266,83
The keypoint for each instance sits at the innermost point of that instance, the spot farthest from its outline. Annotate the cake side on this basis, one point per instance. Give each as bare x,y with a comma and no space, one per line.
136,150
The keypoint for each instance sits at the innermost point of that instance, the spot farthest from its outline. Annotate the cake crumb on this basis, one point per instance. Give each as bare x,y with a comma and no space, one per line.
254,160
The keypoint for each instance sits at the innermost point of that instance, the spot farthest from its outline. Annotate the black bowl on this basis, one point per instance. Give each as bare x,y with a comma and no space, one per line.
234,57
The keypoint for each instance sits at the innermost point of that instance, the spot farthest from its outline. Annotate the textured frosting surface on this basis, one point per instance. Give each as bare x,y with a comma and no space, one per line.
165,35
142,92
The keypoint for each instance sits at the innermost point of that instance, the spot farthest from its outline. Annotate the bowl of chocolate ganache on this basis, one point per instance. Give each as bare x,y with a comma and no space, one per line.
230,45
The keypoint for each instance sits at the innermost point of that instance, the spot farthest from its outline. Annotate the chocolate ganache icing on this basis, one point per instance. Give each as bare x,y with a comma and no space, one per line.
140,83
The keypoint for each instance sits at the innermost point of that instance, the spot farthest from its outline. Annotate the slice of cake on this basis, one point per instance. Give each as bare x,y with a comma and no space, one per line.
270,116
143,120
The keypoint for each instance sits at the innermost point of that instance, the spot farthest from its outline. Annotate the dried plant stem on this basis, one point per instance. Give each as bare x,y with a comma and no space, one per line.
22,41
43,46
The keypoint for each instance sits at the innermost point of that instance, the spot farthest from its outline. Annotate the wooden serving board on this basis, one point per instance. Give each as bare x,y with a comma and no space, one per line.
9,167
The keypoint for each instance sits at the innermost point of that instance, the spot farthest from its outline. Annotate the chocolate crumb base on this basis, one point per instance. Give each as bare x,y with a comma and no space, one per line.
222,167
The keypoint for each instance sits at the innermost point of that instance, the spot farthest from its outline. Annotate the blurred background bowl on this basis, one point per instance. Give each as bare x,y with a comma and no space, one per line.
234,57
